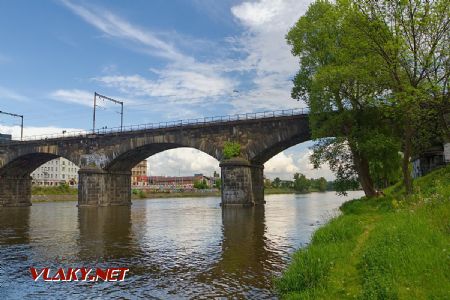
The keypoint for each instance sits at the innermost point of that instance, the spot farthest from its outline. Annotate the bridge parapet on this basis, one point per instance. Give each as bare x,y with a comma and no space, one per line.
167,125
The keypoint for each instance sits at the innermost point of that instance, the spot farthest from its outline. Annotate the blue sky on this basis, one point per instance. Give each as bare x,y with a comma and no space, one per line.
167,60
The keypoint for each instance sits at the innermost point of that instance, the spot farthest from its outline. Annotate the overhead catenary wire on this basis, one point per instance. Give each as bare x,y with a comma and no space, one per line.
17,116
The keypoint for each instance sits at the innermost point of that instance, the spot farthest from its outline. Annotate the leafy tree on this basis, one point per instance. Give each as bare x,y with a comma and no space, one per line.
412,42
301,183
320,184
276,182
218,183
341,82
231,149
200,184
287,184
330,186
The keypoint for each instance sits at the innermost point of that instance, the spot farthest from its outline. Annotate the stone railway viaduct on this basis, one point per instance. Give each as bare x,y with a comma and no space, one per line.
106,159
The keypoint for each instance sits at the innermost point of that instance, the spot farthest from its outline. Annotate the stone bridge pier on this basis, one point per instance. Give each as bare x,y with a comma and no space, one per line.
97,187
15,190
242,183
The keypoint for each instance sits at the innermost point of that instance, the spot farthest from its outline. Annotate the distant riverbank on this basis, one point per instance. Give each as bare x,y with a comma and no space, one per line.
55,197
53,194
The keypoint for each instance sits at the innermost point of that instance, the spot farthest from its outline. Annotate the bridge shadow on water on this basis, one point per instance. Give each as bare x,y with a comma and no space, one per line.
248,259
105,233
14,225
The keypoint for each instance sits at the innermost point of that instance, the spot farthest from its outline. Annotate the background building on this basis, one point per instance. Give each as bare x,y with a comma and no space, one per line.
179,182
139,174
56,172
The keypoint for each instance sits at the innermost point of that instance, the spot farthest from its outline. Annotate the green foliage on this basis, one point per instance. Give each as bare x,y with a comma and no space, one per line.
417,97
200,184
337,154
276,183
379,248
140,193
320,184
62,189
341,82
371,80
218,183
301,183
231,149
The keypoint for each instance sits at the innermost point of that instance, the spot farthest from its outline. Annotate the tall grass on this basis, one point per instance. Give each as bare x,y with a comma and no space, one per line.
63,189
393,247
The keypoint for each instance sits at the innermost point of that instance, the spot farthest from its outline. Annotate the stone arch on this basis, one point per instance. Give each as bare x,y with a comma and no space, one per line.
126,160
24,165
15,179
274,145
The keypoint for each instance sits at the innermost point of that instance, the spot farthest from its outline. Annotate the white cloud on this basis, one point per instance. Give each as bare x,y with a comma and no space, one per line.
182,161
182,80
9,94
285,166
174,84
29,132
266,23
116,27
259,57
73,96
257,13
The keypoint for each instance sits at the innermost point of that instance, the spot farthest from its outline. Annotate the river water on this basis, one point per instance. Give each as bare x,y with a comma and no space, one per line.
175,248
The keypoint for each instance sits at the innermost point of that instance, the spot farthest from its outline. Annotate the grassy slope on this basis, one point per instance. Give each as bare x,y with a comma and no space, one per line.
386,248
53,190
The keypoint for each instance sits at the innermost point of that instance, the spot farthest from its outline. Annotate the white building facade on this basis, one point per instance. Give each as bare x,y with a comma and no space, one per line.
55,172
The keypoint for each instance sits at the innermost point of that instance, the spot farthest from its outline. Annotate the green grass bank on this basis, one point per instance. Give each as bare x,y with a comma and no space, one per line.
392,247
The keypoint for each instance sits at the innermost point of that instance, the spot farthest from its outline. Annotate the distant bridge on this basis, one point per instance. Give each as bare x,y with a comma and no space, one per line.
106,156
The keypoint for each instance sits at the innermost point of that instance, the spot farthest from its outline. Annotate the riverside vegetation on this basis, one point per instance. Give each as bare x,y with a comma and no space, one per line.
391,247
375,76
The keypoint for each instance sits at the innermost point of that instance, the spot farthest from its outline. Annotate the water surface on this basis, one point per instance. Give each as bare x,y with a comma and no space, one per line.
175,248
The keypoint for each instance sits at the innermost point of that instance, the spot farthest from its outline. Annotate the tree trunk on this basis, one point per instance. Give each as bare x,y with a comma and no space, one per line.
364,177
362,168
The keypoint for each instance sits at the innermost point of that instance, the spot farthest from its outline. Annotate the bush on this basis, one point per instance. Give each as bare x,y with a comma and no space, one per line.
231,149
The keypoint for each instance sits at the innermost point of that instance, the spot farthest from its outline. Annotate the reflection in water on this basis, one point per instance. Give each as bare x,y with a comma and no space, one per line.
175,248
247,259
105,233
14,225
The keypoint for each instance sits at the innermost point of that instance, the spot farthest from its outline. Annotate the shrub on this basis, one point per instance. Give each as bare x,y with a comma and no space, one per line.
231,149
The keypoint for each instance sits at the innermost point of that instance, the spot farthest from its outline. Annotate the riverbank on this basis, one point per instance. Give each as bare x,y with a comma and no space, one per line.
55,194
386,248
36,198
158,195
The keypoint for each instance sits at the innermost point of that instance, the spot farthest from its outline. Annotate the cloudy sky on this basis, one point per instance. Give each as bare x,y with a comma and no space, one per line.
167,60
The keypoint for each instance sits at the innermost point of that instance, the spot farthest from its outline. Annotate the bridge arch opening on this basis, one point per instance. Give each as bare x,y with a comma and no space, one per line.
178,167
130,158
16,176
182,161
294,159
26,164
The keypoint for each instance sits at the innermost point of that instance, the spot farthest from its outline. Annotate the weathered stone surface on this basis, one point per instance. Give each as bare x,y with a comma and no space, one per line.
97,187
115,154
260,140
15,191
242,183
